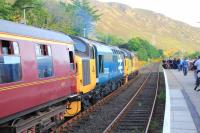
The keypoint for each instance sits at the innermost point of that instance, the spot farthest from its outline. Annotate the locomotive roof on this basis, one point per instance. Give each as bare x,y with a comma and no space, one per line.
30,31
116,48
127,52
103,48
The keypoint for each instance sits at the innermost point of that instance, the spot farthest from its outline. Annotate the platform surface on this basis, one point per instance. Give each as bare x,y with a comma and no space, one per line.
184,102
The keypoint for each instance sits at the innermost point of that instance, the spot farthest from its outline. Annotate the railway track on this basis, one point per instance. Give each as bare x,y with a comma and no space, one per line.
159,110
68,124
136,115
77,123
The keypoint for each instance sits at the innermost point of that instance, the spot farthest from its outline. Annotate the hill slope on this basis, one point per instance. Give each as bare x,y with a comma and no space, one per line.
126,22
163,32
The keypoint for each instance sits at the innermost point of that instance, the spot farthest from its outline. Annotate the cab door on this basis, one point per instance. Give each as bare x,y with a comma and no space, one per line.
92,67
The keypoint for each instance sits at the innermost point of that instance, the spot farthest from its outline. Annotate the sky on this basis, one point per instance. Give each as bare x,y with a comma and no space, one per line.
187,11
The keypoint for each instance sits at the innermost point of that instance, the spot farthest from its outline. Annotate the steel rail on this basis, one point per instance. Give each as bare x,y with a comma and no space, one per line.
154,102
125,109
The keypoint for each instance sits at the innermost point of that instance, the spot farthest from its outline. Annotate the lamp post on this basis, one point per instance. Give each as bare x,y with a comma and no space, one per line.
24,12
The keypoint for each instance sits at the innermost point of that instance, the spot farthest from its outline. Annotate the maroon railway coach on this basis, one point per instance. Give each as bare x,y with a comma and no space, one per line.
37,76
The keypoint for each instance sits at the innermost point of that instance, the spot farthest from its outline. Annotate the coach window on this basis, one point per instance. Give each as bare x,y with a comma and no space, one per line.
71,59
101,68
10,64
44,60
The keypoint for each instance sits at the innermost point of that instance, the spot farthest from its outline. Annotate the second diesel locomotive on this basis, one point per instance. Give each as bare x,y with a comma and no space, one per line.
103,67
46,76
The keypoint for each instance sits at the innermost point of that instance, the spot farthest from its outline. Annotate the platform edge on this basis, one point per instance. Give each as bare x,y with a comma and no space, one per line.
166,125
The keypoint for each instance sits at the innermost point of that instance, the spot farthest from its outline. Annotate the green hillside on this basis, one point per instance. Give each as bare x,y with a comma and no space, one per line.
163,32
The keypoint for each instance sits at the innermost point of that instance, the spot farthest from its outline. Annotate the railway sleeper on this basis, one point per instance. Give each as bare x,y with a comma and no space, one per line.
132,113
144,109
137,114
138,127
129,124
133,120
143,104
137,117
138,111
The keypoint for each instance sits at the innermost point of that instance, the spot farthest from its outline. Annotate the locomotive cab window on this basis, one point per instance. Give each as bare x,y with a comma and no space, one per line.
44,60
71,59
10,64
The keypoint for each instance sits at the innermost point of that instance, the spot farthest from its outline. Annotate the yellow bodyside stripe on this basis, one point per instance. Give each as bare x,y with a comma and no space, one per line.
31,84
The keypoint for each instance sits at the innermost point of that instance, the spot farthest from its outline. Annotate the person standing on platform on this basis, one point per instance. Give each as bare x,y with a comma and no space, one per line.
179,64
197,75
194,68
175,65
185,66
171,63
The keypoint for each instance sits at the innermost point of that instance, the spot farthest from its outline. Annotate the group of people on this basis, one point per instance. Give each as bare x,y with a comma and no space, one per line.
180,64
185,65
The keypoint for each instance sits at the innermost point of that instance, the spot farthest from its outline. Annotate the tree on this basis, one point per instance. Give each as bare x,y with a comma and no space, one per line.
134,44
74,18
161,52
82,16
36,14
6,11
194,55
144,49
142,54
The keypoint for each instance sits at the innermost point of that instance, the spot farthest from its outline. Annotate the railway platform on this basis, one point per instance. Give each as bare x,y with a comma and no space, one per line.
182,113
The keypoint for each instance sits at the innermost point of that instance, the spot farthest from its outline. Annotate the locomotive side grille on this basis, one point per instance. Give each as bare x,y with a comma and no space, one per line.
86,72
